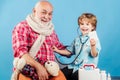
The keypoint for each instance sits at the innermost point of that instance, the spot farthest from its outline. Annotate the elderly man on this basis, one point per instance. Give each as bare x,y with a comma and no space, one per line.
36,36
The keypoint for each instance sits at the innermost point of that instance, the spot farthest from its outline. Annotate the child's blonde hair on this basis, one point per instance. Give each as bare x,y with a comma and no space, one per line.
88,17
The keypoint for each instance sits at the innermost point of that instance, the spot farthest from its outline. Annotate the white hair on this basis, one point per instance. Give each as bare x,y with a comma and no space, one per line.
38,3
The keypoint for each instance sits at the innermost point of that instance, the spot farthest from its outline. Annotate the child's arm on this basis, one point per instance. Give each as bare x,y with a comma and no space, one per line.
94,52
93,38
63,51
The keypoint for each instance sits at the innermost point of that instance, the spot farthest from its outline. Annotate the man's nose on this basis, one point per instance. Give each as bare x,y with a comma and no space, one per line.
46,16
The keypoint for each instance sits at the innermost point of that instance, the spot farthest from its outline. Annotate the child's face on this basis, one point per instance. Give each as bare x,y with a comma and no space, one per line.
85,27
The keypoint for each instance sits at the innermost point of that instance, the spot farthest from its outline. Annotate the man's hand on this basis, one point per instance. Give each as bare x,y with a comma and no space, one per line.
42,73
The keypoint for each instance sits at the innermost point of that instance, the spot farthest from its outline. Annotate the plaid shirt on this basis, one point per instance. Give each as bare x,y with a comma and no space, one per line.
23,38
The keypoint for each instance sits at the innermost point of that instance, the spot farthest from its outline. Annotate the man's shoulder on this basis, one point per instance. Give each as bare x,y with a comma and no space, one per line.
21,25
24,22
53,32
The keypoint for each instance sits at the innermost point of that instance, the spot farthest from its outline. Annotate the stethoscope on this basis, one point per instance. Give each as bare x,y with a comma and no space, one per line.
82,45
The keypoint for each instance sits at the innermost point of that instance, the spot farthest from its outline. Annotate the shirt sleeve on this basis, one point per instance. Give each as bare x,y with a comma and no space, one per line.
19,40
98,47
56,41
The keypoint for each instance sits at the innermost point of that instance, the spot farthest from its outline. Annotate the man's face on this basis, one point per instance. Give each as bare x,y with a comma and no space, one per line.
44,13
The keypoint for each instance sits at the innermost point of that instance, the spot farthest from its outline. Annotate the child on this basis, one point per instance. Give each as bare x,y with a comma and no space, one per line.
86,46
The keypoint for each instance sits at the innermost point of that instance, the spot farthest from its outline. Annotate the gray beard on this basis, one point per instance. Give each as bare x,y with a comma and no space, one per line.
38,20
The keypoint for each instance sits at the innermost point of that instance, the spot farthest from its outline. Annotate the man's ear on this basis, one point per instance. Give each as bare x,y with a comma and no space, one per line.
33,10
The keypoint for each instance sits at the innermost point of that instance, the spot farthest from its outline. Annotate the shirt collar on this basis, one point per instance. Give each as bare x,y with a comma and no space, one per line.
84,38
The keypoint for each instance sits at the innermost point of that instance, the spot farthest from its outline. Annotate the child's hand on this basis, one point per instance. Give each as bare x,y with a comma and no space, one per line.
55,48
92,42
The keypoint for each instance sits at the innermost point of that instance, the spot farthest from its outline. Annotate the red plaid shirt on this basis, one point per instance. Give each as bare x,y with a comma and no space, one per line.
23,38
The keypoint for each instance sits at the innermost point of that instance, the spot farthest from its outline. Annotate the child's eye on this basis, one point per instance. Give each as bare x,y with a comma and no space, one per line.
87,24
81,23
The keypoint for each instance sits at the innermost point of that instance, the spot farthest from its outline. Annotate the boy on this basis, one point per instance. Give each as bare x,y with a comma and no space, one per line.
86,48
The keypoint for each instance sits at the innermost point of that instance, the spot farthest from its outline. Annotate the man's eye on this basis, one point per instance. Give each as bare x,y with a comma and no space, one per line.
43,12
50,13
